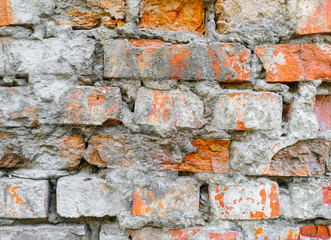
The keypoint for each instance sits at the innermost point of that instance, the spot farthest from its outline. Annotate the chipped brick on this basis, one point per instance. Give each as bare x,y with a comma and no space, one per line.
24,198
249,110
71,149
91,105
245,201
296,62
195,61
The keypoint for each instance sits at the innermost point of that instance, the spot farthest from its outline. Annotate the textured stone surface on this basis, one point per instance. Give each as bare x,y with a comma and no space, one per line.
17,107
181,234
305,158
294,62
212,156
79,196
315,232
249,110
44,231
245,201
322,112
185,16
230,13
168,108
159,60
49,56
90,105
9,157
312,16
23,198
134,151
71,149
271,231
90,14
181,196
22,12
305,206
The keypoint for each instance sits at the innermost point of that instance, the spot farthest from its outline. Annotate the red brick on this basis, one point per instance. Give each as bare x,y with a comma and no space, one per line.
184,16
90,105
168,108
304,158
181,196
5,12
71,149
318,232
212,156
292,62
183,234
273,232
314,16
322,112
326,193
248,110
245,201
150,59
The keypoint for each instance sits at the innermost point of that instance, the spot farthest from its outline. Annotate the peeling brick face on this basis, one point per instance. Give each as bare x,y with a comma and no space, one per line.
233,111
305,158
322,112
185,15
168,108
71,150
231,12
245,201
22,198
89,105
136,59
182,234
292,62
181,197
264,232
313,16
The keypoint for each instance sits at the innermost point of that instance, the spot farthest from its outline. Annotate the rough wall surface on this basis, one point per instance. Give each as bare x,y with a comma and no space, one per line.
165,119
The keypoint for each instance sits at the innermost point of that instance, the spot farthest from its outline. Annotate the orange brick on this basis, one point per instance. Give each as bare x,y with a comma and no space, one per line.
322,112
5,12
212,156
184,15
290,62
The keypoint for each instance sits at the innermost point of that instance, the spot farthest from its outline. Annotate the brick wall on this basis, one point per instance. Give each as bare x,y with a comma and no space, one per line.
168,119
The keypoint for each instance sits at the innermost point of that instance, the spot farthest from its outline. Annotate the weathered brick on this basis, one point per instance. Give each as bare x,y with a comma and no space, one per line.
184,16
137,151
86,196
245,201
24,12
17,107
143,59
184,234
313,16
181,196
304,158
311,200
44,232
90,14
312,232
71,149
248,110
24,198
296,62
264,232
212,156
230,13
322,112
91,105
168,108
49,56
9,157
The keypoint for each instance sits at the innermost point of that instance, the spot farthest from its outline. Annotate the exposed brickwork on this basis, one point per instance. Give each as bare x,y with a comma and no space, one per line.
222,62
322,112
292,62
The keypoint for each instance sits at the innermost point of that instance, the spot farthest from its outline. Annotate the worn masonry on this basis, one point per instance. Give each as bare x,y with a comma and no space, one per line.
165,120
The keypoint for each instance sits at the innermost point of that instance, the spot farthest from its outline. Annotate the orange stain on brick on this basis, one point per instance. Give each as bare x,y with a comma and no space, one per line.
184,234
5,13
326,193
322,112
146,43
258,232
274,201
139,206
162,104
177,64
227,236
318,231
93,101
